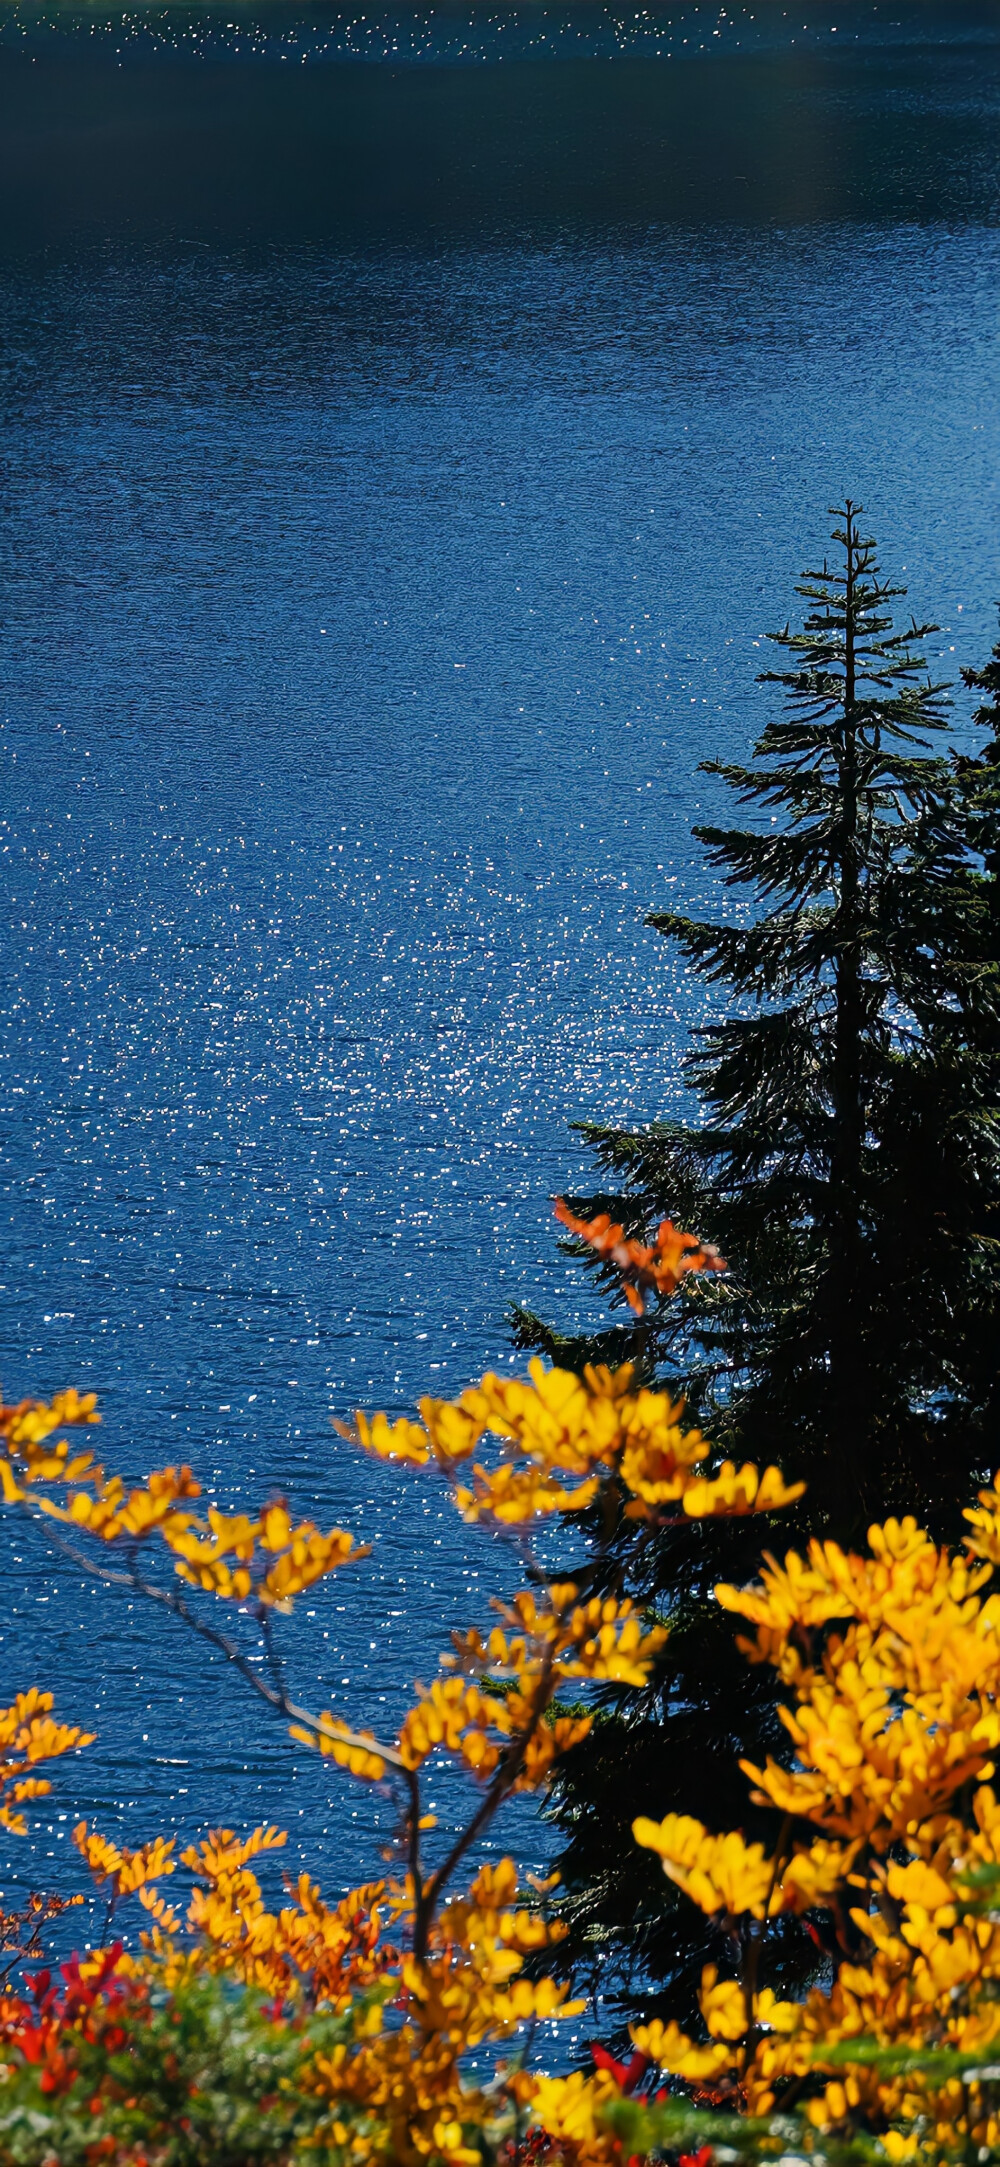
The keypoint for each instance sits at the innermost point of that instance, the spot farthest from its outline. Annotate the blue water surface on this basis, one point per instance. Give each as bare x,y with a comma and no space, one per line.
379,562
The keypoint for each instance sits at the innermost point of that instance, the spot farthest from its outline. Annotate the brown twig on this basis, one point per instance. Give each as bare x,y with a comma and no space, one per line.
510,1766
426,1896
276,1696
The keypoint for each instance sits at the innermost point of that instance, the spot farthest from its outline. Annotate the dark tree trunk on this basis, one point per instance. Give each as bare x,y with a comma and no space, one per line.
848,1398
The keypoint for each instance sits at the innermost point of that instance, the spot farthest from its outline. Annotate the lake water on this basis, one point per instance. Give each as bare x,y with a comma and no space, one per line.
404,458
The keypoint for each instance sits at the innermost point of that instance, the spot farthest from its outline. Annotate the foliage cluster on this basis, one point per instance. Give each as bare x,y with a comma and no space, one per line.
372,2005
343,2031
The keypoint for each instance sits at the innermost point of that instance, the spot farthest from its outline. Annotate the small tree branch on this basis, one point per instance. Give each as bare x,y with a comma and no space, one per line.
425,1896
275,1695
511,1764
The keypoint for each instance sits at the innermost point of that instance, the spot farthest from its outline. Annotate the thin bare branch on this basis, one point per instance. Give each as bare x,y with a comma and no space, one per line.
503,1783
275,1696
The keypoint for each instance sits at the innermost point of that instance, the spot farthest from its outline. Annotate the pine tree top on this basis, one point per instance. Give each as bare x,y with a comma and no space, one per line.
849,777
855,684
847,640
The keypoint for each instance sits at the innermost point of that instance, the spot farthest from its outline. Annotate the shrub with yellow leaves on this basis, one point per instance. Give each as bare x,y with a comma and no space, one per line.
885,1803
888,1820
889,1848
416,1975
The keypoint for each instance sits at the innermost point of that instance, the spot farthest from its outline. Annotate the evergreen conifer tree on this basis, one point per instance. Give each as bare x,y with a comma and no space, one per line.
842,1163
979,789
974,904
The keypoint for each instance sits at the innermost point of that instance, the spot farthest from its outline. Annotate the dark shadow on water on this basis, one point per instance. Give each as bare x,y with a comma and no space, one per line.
156,147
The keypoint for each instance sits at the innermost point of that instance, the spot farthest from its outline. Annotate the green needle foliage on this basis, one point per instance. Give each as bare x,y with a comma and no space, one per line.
844,1159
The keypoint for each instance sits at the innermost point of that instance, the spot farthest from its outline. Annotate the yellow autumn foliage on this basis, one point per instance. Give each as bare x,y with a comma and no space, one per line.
891,1827
561,1438
884,1803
